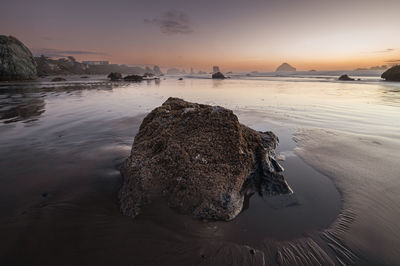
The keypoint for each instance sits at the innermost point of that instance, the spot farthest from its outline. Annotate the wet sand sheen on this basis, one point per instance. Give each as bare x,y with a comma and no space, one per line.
60,178
63,216
366,172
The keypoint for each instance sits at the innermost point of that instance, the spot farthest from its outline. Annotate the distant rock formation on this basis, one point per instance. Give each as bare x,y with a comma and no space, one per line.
285,67
215,69
157,70
204,171
201,72
114,76
148,70
58,79
134,78
382,67
345,78
392,74
16,60
173,71
69,66
218,75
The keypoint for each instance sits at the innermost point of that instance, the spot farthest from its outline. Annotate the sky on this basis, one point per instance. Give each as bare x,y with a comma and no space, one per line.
247,35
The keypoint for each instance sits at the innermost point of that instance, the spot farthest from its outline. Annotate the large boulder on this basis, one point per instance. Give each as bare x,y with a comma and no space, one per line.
218,75
392,74
201,160
285,67
16,61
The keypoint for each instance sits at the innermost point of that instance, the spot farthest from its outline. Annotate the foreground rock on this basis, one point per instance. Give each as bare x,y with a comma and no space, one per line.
285,67
201,160
16,61
345,78
218,75
392,74
114,76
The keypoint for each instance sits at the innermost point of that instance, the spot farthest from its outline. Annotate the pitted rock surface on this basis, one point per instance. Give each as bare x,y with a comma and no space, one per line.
200,159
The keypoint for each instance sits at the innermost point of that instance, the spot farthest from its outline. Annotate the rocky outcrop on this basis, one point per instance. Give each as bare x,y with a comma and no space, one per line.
285,67
345,78
16,61
134,78
392,74
201,160
61,66
218,75
173,71
114,76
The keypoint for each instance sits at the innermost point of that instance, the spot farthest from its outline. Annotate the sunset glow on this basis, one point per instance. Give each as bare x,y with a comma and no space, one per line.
237,35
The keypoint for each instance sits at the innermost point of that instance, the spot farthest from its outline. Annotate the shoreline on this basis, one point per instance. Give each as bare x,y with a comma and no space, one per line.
346,158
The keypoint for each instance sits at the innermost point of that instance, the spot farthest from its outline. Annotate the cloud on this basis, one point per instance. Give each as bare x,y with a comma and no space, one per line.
172,22
393,61
62,53
388,50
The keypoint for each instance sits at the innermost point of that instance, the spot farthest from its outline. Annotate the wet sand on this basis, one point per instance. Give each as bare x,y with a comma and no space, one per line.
61,149
59,204
366,171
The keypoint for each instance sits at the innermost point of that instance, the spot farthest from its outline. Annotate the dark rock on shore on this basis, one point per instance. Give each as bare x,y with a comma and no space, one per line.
135,78
285,67
114,76
392,74
16,61
345,78
58,79
218,75
201,160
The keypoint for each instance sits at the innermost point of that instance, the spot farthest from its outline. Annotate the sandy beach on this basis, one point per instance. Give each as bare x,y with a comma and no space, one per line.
64,146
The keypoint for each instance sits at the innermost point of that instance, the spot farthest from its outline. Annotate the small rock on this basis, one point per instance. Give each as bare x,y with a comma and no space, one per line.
218,75
134,78
114,76
345,78
58,79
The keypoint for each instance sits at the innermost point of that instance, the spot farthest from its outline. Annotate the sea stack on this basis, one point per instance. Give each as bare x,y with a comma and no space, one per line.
215,69
199,159
285,67
392,74
16,60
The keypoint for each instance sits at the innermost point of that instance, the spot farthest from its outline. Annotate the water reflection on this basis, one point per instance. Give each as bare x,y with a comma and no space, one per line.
21,107
390,96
